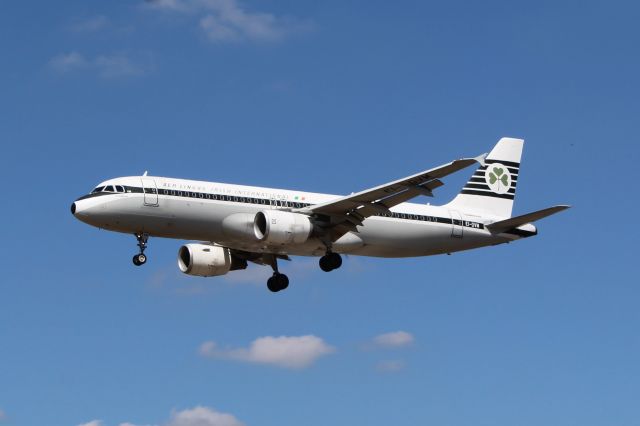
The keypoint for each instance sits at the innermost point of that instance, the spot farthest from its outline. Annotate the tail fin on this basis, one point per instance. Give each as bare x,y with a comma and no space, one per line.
492,188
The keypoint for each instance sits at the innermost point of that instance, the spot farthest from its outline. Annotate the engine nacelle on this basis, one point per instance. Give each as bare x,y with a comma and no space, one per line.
278,227
239,226
204,260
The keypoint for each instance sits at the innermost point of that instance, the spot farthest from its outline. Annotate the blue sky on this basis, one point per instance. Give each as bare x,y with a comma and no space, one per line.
331,97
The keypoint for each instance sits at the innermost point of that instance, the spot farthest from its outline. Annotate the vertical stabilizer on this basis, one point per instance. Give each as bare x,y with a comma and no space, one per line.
492,188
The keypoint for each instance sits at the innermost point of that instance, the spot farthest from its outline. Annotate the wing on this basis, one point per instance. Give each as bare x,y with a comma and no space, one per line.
345,213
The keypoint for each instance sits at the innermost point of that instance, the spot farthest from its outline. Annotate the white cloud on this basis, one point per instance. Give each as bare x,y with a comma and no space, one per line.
67,62
390,366
226,20
196,416
179,5
93,24
202,416
394,339
118,65
131,424
106,66
92,423
294,352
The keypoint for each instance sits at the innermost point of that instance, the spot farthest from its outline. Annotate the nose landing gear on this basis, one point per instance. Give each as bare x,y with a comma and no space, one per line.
141,258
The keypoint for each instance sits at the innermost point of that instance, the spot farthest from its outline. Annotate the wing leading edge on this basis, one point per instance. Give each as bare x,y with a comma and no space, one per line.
353,209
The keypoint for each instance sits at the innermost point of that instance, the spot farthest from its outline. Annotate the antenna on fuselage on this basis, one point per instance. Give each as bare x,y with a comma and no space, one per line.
144,174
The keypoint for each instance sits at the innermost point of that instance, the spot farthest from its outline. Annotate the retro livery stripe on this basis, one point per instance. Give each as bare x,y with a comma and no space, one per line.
286,204
488,194
503,162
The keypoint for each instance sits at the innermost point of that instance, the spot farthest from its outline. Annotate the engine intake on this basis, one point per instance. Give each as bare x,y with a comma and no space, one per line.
278,227
206,260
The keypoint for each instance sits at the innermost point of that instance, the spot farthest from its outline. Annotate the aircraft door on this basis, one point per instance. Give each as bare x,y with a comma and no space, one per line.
273,202
456,224
150,191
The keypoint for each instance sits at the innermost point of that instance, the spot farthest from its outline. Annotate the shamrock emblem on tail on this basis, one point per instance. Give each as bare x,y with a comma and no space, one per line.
498,178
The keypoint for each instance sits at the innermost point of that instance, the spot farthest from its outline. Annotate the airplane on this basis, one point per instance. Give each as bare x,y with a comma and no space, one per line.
237,224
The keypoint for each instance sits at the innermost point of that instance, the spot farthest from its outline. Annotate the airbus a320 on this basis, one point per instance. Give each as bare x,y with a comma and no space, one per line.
236,224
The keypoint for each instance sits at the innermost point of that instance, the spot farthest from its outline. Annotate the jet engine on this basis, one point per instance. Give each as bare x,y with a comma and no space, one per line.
278,227
239,227
206,260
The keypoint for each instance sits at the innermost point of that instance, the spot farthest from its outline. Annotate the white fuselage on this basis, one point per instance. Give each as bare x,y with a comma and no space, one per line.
195,210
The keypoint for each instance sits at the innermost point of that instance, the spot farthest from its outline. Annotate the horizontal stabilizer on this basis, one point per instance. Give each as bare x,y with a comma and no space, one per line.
514,222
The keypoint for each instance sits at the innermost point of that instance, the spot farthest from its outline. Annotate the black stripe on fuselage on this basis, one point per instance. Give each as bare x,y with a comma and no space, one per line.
279,203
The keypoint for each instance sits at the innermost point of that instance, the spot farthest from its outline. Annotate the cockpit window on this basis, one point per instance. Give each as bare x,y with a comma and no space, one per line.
98,189
119,188
109,189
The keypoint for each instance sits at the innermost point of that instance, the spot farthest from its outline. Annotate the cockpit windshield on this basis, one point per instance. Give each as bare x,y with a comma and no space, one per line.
109,188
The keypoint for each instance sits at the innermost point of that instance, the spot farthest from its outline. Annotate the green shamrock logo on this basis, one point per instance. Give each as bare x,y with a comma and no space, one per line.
498,174
498,179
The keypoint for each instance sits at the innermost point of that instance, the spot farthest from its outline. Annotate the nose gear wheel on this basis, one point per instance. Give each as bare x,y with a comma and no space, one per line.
140,258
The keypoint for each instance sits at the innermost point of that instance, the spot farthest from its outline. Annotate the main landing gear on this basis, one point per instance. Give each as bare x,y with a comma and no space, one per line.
277,281
141,258
330,261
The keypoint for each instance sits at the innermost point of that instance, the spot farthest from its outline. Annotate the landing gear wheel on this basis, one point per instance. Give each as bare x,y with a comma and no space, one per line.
330,261
324,264
272,285
277,282
141,258
283,281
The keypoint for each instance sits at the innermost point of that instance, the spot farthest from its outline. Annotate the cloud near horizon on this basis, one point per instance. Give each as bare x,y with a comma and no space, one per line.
196,416
292,352
227,21
89,25
394,339
92,423
107,66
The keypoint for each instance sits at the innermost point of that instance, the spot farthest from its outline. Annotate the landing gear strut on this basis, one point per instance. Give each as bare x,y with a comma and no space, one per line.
277,281
330,261
141,258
